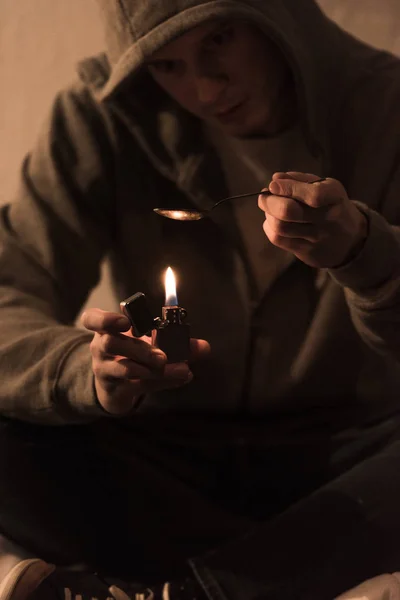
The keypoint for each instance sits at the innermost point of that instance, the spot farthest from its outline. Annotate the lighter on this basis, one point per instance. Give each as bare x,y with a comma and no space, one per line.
170,333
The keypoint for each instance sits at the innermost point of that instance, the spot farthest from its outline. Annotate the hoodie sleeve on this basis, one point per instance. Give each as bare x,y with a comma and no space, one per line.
53,237
372,279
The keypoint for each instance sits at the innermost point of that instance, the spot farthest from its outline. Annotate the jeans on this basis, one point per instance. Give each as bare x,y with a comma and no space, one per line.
302,517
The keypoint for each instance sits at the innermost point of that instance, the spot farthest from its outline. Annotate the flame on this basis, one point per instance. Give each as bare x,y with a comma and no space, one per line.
171,298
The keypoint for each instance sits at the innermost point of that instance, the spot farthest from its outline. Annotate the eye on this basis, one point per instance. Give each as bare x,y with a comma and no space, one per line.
165,67
223,36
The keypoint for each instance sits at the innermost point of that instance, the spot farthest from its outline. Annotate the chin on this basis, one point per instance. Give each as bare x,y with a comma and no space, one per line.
252,127
245,130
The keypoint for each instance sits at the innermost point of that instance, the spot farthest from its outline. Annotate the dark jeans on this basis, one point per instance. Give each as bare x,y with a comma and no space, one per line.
252,517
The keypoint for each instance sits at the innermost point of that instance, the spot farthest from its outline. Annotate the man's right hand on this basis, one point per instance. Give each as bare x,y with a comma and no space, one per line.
126,367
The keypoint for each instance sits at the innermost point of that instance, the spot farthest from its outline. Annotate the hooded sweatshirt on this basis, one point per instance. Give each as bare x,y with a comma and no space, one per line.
115,146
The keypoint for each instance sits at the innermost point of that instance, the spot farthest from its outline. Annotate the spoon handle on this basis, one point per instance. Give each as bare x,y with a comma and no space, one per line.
263,193
248,195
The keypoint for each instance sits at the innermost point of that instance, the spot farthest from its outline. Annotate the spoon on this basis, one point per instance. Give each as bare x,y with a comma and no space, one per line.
193,214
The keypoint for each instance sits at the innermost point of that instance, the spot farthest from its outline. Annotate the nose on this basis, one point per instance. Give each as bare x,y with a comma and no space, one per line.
210,80
210,88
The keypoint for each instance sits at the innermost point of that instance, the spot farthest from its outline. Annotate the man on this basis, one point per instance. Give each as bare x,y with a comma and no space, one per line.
266,465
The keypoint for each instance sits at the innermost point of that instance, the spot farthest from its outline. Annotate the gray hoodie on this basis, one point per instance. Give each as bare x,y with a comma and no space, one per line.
115,146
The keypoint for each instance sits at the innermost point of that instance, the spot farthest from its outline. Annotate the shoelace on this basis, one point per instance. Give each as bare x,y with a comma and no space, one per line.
118,594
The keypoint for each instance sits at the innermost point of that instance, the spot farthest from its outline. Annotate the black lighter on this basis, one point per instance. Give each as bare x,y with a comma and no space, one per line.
170,333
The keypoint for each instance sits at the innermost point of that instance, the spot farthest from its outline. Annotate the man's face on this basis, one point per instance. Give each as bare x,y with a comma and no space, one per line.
229,74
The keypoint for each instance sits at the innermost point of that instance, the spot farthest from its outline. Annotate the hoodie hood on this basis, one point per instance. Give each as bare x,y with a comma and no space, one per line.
323,58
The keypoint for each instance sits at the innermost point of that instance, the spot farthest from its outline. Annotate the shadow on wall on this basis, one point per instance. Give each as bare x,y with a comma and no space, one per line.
41,41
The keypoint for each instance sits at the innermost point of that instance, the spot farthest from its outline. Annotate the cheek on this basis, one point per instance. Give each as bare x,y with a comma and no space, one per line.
187,99
182,92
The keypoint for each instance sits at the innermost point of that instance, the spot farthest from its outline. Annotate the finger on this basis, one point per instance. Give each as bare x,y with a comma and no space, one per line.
162,384
314,195
297,175
114,381
176,372
304,231
287,209
122,395
141,387
262,199
102,321
136,349
123,368
199,349
295,245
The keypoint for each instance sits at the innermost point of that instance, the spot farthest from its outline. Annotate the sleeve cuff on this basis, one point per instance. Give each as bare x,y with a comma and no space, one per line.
74,398
377,261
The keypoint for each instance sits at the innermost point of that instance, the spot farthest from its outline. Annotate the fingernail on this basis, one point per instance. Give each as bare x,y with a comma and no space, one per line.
189,377
122,323
185,381
274,187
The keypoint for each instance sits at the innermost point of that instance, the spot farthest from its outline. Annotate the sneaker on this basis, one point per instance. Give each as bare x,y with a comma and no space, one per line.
34,579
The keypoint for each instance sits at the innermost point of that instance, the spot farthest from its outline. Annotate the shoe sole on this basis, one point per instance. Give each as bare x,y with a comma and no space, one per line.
24,578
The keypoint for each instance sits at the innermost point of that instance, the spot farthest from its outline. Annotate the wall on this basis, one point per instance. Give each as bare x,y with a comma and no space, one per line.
40,43
41,40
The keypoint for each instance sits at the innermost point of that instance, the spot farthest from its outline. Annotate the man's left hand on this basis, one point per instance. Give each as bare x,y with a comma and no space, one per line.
317,222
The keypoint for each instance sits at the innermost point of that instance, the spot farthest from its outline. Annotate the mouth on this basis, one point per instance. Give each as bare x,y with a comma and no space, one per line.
229,113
